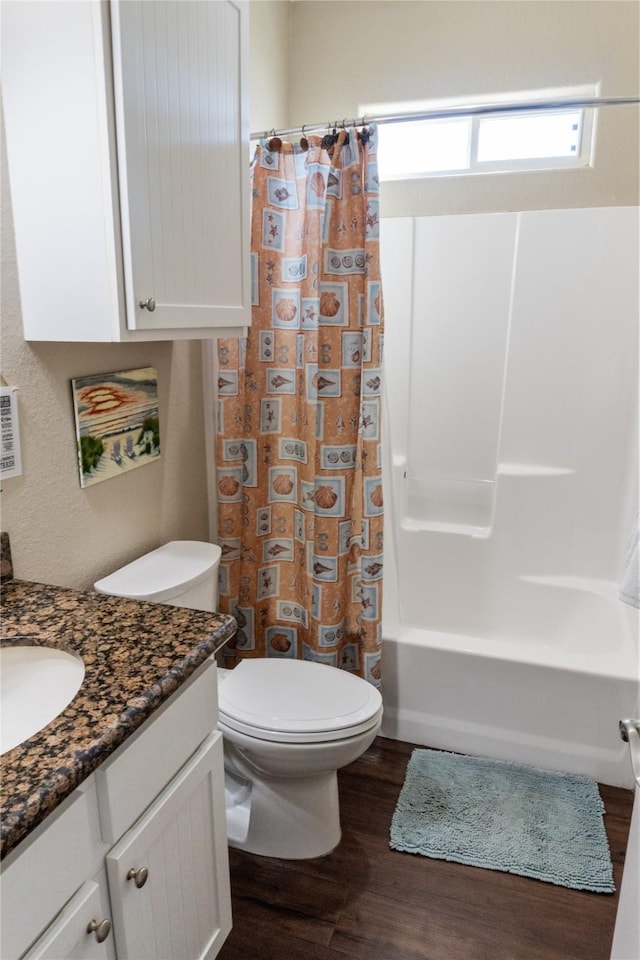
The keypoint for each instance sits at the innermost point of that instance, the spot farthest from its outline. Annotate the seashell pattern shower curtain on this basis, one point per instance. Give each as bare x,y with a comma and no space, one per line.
298,449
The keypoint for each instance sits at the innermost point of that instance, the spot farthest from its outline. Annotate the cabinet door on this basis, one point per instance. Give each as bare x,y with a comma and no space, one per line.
182,910
82,929
62,170
183,140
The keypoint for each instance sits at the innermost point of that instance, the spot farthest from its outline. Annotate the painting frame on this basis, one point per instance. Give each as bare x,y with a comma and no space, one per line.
117,423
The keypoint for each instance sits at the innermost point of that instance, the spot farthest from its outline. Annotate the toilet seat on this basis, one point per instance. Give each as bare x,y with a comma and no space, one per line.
296,701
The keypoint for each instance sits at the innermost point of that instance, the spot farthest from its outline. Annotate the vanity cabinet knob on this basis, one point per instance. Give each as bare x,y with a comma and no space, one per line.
148,304
101,928
140,876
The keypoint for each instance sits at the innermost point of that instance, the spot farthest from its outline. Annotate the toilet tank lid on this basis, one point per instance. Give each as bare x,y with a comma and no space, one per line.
164,573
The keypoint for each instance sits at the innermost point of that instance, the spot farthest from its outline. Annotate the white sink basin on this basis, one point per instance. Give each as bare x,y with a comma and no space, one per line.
37,683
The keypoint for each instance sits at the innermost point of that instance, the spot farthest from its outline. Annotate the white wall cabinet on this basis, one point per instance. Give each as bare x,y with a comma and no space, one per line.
162,891
127,139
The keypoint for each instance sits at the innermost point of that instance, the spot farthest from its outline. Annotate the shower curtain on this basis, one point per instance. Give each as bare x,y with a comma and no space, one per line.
298,460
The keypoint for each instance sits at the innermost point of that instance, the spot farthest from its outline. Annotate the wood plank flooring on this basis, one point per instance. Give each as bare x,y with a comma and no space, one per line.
365,901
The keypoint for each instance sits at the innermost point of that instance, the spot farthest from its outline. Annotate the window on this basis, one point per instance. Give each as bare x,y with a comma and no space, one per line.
530,136
536,139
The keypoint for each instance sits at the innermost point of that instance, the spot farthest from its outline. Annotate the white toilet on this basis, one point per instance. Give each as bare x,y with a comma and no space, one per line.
288,725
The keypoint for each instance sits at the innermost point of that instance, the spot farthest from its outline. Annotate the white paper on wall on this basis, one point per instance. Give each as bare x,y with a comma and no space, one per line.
10,457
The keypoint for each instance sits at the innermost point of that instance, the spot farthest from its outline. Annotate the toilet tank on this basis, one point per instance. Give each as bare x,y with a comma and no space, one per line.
183,573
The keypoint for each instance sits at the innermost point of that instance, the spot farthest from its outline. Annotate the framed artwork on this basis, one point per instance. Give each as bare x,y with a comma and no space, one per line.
117,423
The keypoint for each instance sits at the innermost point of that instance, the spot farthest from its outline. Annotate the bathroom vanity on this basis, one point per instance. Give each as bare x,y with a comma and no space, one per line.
113,818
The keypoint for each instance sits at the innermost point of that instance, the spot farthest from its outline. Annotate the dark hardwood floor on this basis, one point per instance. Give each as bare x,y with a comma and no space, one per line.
367,902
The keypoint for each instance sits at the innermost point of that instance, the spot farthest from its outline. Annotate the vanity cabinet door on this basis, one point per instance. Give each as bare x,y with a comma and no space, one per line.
169,874
82,929
44,878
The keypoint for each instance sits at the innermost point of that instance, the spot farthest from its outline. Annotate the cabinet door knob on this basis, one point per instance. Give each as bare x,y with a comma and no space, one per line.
101,928
148,304
140,876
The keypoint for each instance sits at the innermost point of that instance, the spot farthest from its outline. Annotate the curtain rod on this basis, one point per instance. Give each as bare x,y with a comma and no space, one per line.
451,112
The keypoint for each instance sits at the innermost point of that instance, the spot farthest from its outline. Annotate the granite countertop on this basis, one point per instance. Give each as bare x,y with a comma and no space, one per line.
136,655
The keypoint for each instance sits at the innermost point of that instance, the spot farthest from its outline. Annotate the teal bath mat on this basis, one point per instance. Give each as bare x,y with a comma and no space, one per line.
504,816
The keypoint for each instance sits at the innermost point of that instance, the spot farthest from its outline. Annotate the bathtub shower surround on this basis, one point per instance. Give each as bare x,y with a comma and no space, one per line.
298,447
630,586
511,478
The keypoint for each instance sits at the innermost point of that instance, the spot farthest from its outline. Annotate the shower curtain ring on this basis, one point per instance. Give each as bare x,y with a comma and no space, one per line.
275,142
304,143
329,138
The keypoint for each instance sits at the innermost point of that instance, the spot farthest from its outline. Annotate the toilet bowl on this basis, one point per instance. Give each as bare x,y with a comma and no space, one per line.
288,725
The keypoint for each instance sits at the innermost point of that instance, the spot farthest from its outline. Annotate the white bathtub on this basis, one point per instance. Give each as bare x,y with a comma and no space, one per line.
553,701
481,657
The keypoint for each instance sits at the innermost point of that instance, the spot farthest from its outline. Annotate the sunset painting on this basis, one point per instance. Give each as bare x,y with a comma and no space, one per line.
117,423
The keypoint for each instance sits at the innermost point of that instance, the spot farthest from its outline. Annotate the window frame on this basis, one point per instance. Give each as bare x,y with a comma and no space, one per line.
476,116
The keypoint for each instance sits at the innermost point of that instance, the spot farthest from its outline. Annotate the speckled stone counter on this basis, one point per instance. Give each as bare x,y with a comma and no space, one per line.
135,655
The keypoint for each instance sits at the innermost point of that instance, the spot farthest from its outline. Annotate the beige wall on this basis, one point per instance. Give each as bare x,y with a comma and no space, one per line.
309,60
61,533
269,32
345,54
